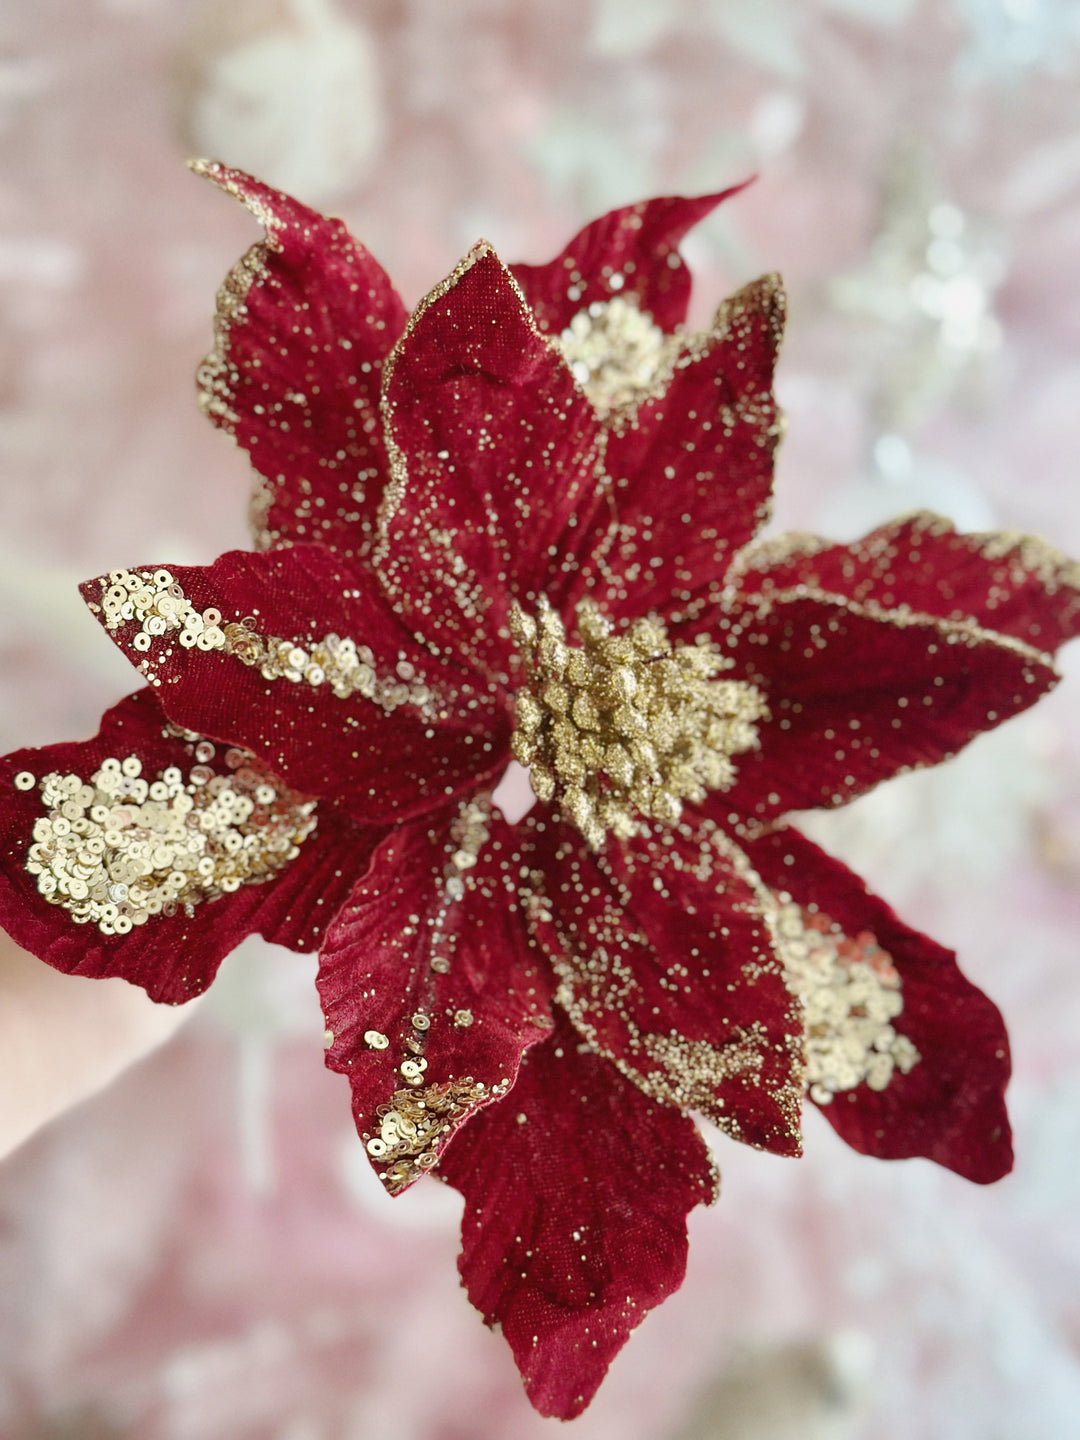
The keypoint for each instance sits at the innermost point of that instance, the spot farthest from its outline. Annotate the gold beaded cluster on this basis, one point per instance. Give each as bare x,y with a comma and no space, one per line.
624,725
616,353
412,1122
117,849
850,994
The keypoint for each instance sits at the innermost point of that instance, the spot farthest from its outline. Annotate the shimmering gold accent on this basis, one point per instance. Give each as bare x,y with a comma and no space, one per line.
156,602
413,1122
850,992
375,1039
625,724
617,354
117,849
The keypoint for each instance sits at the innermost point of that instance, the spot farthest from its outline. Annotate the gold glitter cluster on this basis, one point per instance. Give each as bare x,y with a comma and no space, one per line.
625,724
850,992
117,849
155,600
412,1122
616,353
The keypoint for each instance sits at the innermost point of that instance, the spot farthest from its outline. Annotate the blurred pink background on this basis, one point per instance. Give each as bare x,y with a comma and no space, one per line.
199,1251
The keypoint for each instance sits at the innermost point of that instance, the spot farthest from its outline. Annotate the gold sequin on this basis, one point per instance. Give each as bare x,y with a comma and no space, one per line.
413,1121
617,354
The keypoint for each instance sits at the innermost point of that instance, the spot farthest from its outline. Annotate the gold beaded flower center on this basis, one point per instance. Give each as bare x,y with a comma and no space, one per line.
624,725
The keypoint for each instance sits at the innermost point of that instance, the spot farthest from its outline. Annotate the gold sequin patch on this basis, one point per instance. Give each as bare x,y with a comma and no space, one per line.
616,353
412,1123
850,992
116,849
625,724
157,603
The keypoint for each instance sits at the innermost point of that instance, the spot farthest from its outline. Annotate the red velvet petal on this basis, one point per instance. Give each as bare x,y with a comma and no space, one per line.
1006,582
429,936
494,449
692,470
857,693
668,971
950,1107
378,761
303,324
640,244
172,957
576,1194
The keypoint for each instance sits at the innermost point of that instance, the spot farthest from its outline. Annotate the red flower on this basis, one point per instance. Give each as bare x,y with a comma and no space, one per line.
521,522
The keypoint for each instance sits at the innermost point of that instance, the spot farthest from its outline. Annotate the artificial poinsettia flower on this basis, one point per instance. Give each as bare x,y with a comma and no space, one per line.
517,528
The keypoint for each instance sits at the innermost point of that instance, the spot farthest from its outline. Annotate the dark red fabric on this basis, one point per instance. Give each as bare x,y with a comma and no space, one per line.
304,322
692,470
496,451
950,1108
174,957
638,243
335,748
375,966
576,1193
1009,583
667,969
856,694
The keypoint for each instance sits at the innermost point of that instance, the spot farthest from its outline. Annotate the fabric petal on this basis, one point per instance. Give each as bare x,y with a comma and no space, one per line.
1007,582
632,252
857,693
950,1105
692,470
172,956
431,986
667,969
303,324
494,452
576,1193
296,655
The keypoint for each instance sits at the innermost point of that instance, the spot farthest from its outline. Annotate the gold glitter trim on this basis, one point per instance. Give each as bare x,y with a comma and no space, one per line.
117,849
625,724
413,1122
850,992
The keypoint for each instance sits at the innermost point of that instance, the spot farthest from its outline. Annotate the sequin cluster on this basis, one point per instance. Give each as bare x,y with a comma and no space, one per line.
157,603
625,724
850,992
118,848
412,1122
616,353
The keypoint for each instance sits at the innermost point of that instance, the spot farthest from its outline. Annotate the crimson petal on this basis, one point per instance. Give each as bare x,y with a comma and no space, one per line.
1010,583
639,244
857,693
430,965
696,1013
494,451
950,1106
172,957
692,470
402,740
303,324
576,1193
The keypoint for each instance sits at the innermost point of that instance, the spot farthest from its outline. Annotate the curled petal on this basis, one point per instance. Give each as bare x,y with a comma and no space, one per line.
173,952
857,693
493,451
296,655
692,470
303,323
430,985
697,1014
576,1193
632,252
1006,582
950,1106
